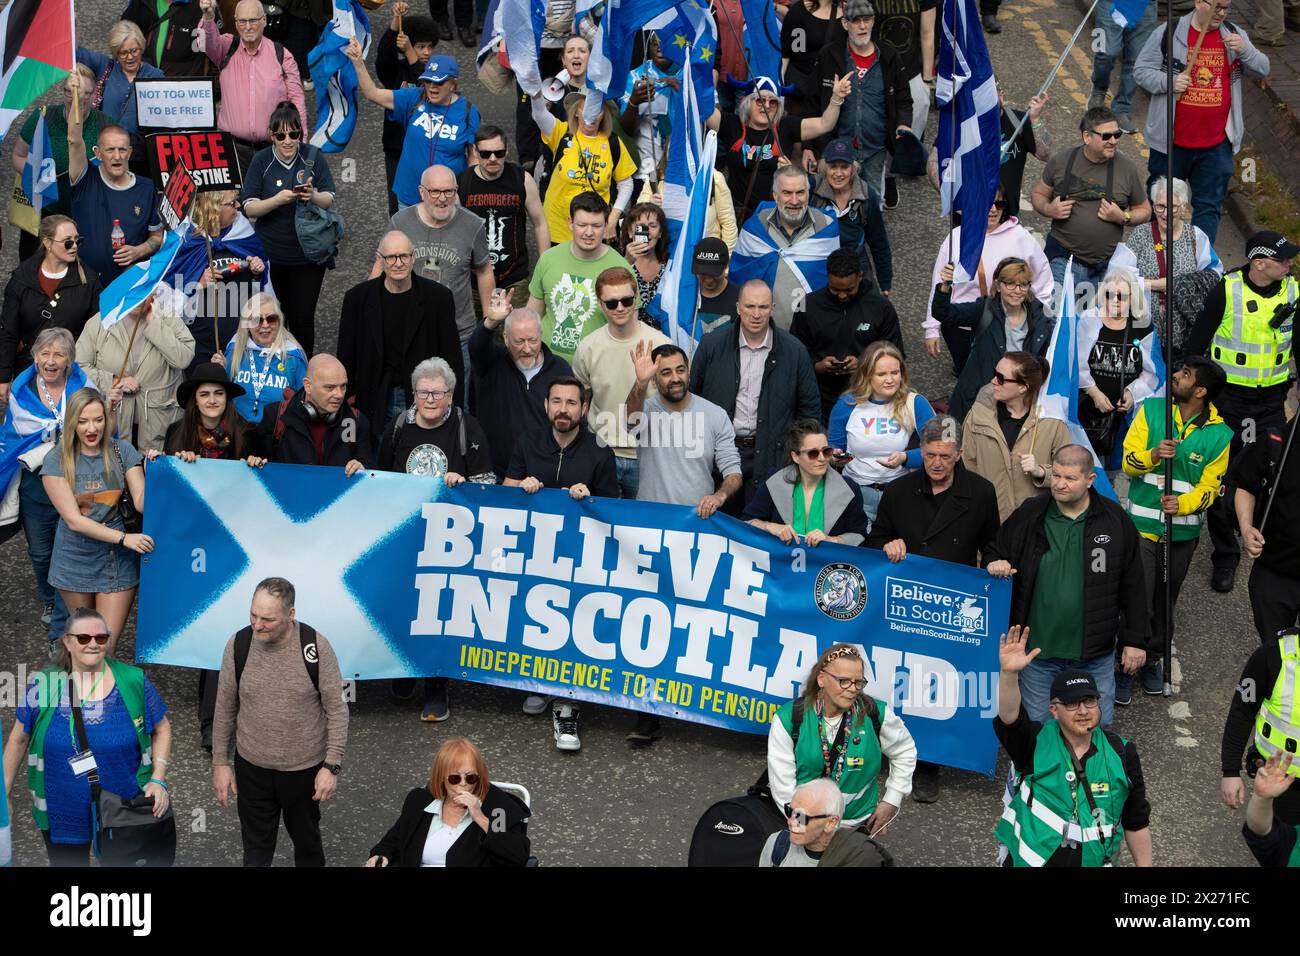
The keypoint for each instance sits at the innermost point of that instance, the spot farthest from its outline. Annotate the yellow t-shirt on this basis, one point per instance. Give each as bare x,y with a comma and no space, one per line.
587,165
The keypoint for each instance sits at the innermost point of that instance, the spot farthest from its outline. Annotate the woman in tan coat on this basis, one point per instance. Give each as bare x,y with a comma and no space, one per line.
141,387
1005,440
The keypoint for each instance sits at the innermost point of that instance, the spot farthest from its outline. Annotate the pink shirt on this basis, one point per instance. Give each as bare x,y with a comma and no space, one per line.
252,84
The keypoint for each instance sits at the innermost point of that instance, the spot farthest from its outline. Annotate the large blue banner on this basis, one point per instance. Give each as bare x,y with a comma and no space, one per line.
633,604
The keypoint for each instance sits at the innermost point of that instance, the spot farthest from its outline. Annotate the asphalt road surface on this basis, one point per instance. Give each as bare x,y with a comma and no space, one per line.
610,804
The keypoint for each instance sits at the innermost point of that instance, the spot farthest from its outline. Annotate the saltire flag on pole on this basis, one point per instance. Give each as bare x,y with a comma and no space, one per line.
689,33
38,52
522,22
969,128
1128,12
677,300
1059,396
138,282
611,49
762,38
40,179
335,77
493,30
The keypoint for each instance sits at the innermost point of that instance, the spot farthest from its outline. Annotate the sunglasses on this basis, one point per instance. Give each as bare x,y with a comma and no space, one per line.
267,320
290,134
71,244
471,779
1000,379
84,639
815,453
801,818
1108,136
625,302
492,153
1112,296
1000,204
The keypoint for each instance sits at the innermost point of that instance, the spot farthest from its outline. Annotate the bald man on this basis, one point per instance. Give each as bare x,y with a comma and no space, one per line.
390,324
450,246
316,426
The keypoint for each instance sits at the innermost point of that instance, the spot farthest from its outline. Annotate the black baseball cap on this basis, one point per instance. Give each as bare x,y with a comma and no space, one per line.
711,257
1074,685
1271,245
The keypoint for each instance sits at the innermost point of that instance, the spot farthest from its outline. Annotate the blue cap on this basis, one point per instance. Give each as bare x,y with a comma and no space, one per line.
440,69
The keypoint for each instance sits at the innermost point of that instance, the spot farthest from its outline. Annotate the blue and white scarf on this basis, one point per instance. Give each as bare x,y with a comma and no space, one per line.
758,256
29,424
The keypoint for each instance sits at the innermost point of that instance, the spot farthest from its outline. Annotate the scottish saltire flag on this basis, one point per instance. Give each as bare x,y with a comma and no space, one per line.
335,77
40,178
1059,396
678,297
240,241
969,130
493,30
38,52
687,33
521,23
762,38
757,257
138,282
28,424
611,49
1128,12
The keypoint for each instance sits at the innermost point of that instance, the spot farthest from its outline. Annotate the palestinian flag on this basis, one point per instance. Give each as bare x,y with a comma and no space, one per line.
37,52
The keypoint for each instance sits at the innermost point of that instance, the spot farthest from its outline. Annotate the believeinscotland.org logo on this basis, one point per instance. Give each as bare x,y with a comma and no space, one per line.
840,591
914,602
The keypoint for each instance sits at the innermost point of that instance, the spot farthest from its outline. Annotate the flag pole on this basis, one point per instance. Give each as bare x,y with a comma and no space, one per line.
1167,550
76,99
952,132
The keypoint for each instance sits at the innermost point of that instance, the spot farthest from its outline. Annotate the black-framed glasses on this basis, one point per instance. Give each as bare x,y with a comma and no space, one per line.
624,302
291,134
492,153
71,244
814,453
438,192
395,258
248,21
100,638
1107,136
849,683
1087,703
431,394
471,779
1015,286
803,819
1000,379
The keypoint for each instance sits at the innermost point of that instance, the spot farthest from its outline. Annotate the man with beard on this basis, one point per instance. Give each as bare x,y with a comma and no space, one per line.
563,454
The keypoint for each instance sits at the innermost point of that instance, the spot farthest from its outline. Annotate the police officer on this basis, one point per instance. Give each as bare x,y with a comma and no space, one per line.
1246,327
1077,790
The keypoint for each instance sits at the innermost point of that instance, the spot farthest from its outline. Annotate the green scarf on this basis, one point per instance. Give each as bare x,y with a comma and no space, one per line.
815,519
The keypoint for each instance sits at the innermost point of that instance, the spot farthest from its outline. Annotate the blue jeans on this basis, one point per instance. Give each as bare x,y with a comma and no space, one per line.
40,519
628,471
1120,42
1087,282
1207,171
870,503
1036,685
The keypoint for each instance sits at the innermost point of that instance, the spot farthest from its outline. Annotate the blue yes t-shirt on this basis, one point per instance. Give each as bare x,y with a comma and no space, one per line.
435,136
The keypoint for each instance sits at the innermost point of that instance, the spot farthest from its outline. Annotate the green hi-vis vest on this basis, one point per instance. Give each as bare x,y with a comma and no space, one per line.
51,689
1042,810
859,782
1277,725
1199,446
1249,351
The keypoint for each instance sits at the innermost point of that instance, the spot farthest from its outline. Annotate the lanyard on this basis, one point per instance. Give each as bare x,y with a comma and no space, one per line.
72,730
833,753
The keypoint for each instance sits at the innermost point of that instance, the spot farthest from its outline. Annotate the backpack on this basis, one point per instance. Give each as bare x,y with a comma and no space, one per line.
306,638
279,59
562,147
319,230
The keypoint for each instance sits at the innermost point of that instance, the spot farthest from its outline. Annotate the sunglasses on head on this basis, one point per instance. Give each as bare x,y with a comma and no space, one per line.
815,453
492,153
625,302
1108,136
471,779
84,639
1001,379
282,135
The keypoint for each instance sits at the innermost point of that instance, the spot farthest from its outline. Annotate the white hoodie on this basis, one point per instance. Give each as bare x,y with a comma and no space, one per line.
1008,239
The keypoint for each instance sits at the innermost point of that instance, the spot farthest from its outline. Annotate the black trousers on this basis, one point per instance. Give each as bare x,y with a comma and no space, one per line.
736,503
298,289
464,11
1222,517
391,159
1180,559
66,854
300,36
264,795
207,697
1274,601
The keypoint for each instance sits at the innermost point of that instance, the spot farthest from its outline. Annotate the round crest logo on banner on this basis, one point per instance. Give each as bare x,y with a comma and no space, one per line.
840,591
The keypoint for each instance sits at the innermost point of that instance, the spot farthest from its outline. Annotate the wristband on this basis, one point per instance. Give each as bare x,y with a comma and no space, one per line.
122,540
159,782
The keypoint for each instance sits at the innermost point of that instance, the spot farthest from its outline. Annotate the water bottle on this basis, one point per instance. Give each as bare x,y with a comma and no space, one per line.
117,236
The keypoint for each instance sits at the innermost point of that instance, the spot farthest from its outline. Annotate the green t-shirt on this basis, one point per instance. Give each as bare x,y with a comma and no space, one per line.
567,286
1056,610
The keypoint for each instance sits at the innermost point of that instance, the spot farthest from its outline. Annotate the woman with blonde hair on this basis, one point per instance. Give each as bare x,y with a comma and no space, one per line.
95,562
842,734
469,822
114,87
138,363
876,424
263,358
720,221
